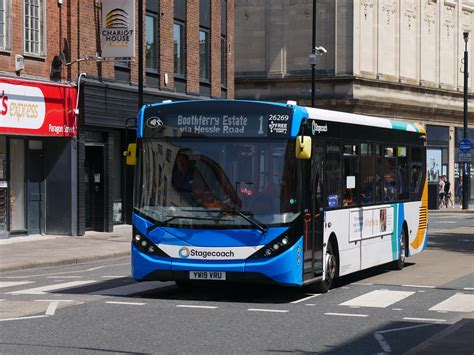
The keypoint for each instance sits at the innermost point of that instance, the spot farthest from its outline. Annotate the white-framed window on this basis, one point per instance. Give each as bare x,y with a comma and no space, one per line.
4,24
34,27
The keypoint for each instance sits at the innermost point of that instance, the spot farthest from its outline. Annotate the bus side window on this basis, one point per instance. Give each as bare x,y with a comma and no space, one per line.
379,183
333,175
390,174
367,174
402,173
416,170
351,174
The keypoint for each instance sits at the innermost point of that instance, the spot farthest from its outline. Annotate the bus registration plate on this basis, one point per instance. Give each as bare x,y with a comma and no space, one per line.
207,275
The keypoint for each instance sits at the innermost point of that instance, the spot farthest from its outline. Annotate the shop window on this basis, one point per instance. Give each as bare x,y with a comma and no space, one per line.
178,48
17,185
223,62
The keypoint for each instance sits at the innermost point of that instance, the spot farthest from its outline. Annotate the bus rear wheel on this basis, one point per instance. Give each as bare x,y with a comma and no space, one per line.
331,271
400,262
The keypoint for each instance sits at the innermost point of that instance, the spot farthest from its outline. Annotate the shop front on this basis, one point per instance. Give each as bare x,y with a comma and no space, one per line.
38,158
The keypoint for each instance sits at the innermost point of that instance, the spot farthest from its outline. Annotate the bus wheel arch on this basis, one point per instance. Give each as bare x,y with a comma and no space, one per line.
403,251
331,258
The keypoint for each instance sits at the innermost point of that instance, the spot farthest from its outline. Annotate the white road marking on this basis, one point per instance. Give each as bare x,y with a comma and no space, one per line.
267,310
129,289
306,298
2,300
63,272
192,306
347,314
310,304
469,288
419,286
52,308
404,328
54,301
378,299
127,303
13,283
362,284
42,290
383,344
425,319
20,318
63,277
459,302
114,276
397,309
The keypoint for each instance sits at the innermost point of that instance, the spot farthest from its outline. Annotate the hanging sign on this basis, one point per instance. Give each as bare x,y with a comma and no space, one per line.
117,35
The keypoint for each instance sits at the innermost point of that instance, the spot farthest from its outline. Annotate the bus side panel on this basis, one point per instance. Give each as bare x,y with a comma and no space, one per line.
338,222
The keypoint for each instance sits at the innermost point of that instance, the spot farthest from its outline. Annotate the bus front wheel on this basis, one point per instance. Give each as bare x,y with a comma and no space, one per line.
331,271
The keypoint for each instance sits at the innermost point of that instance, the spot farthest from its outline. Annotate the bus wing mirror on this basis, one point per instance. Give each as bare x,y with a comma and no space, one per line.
131,154
303,147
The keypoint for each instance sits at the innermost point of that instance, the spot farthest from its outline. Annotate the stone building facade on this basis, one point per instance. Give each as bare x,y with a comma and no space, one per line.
392,58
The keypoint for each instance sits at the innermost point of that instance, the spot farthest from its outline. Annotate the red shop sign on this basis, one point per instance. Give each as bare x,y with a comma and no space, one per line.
35,108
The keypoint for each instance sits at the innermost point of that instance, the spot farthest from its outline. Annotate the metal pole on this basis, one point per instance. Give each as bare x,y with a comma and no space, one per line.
313,51
465,179
140,54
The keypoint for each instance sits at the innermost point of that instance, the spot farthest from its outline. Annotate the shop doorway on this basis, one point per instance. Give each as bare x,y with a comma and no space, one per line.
94,187
35,188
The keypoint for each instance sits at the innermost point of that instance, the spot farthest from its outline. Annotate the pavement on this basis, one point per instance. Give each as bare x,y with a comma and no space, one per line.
34,251
18,253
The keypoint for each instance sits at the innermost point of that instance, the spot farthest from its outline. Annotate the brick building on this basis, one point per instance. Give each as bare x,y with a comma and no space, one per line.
83,182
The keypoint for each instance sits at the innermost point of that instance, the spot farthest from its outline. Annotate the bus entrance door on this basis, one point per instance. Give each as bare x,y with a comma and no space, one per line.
314,216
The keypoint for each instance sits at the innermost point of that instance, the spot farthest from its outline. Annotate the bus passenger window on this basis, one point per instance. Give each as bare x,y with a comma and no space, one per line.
416,170
390,174
333,175
402,173
367,174
351,172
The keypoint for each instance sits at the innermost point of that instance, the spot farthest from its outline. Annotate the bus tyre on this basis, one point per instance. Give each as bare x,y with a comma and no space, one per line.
331,271
400,262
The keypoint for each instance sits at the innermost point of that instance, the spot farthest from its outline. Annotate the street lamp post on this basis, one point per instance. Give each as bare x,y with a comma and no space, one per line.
312,58
140,54
466,172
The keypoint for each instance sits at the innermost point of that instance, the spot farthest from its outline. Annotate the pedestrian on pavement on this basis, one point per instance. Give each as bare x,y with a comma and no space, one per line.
447,194
441,191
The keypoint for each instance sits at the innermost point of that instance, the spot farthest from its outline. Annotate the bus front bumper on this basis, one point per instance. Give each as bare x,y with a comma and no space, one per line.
284,269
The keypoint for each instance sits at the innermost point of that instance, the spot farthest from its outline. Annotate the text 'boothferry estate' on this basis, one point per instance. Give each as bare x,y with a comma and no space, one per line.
231,124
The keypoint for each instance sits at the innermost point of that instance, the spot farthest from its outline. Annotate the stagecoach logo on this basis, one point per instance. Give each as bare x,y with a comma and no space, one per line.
154,122
184,252
317,128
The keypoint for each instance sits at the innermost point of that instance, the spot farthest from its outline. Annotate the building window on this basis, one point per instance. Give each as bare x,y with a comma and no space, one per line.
223,62
4,24
204,55
178,44
34,26
151,49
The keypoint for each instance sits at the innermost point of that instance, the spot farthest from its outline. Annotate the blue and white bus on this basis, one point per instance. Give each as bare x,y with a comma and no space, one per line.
245,191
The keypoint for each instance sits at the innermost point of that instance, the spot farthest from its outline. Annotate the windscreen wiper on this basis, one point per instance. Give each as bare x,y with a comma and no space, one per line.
248,216
163,223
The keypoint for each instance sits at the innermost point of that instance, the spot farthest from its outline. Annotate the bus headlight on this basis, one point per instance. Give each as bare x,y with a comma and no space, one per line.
145,245
276,247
